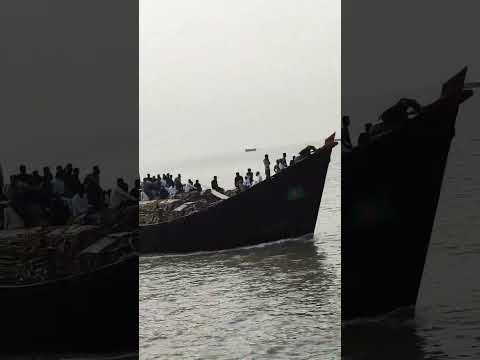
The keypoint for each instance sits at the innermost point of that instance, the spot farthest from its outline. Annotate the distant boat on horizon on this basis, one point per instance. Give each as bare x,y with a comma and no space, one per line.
250,149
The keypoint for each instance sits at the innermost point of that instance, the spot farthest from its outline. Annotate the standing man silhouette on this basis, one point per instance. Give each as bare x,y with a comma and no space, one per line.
346,141
266,162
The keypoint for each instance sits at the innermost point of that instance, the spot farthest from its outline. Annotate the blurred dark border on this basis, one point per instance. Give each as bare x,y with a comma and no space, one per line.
69,94
409,48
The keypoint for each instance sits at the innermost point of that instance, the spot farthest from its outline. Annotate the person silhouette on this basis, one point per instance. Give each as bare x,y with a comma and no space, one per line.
258,178
215,186
292,161
238,180
266,162
135,192
246,183
399,113
276,168
197,185
250,175
346,141
364,138
178,183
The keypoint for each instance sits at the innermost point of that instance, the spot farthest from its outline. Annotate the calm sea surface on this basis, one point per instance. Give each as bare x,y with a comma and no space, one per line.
447,322
277,301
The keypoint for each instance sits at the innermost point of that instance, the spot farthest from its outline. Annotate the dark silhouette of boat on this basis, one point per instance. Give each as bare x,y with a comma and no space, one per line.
390,191
93,311
284,206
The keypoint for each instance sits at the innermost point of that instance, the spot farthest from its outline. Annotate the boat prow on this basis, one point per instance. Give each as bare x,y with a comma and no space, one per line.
390,192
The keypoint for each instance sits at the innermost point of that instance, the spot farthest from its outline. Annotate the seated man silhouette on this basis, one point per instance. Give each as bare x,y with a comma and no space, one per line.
399,113
238,180
189,186
307,151
198,186
215,186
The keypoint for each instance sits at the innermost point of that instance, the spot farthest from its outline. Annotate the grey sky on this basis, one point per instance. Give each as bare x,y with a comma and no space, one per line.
69,85
218,76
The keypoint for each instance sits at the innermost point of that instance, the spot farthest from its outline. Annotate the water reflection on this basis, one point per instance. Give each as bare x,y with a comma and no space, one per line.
395,336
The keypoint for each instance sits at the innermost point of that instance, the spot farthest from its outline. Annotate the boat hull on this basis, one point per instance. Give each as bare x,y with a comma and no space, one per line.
390,192
95,311
285,206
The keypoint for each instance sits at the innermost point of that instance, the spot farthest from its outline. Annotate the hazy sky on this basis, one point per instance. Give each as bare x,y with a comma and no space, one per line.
406,49
220,75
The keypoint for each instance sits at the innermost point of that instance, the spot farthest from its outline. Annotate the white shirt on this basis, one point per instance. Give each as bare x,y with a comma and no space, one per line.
258,179
118,196
172,191
143,196
79,205
11,220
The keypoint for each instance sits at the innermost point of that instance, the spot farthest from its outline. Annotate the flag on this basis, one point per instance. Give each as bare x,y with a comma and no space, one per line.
330,139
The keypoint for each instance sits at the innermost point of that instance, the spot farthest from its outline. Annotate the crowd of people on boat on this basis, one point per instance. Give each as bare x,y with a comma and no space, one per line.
363,139
165,186
393,117
32,199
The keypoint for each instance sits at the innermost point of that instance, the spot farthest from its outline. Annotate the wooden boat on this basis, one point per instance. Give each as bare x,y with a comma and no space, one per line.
250,149
92,311
284,206
390,192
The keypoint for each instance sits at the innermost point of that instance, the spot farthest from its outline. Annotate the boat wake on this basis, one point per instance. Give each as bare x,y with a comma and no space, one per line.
399,315
303,238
